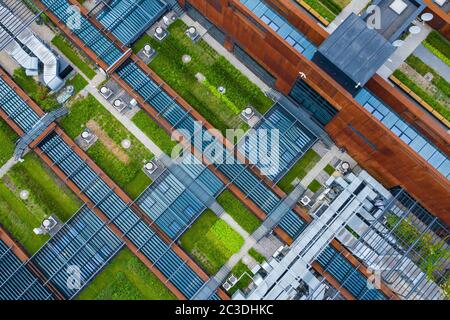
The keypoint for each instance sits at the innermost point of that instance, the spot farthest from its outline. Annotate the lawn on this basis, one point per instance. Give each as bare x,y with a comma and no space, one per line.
247,220
241,269
329,169
439,45
48,195
314,186
126,278
222,111
328,9
35,90
211,242
8,138
299,170
78,83
126,171
73,55
256,255
436,94
155,133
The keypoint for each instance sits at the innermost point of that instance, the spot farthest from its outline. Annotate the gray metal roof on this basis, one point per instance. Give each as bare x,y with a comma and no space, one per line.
356,50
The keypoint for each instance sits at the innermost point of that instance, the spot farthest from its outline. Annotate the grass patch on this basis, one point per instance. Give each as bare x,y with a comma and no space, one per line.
240,91
256,255
314,186
135,187
329,169
8,138
160,137
73,55
48,195
239,270
247,220
126,278
83,110
78,83
211,241
428,98
322,9
440,46
299,170
35,90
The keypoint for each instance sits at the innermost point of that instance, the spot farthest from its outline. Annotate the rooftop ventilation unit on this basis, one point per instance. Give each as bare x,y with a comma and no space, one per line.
248,113
227,286
148,50
160,33
106,92
119,105
150,167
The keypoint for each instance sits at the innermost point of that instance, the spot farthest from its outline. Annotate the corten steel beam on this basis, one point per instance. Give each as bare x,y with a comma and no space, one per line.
393,162
22,255
74,147
441,19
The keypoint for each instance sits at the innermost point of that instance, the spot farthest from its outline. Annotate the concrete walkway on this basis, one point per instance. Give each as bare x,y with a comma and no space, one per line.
7,166
434,62
356,6
149,144
409,46
224,52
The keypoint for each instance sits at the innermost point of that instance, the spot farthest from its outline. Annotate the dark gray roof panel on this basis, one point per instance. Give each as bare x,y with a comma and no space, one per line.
356,50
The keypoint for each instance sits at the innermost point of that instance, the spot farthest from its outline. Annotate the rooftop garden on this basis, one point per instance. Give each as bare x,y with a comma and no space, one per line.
436,93
211,242
299,170
221,110
247,220
439,45
240,270
47,195
155,133
432,255
124,166
41,94
8,138
74,55
327,9
256,255
126,278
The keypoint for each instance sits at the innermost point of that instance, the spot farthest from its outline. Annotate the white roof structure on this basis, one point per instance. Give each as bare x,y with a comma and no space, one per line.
28,39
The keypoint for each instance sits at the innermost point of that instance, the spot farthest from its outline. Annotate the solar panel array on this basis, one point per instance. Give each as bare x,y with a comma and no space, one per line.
86,31
294,140
17,282
128,19
16,109
171,204
350,278
128,222
84,244
405,132
281,26
180,119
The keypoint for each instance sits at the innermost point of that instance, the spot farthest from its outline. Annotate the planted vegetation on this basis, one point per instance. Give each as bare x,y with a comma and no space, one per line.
7,138
211,242
47,195
247,220
221,110
124,166
439,45
299,170
73,55
436,94
126,278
